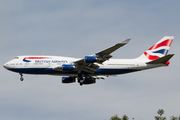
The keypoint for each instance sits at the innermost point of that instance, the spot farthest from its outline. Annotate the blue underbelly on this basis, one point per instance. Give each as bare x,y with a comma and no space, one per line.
50,71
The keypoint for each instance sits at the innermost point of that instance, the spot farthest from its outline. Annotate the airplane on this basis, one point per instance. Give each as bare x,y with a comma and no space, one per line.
97,66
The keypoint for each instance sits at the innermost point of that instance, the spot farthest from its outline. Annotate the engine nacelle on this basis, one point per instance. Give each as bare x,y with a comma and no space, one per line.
66,67
90,59
89,81
68,80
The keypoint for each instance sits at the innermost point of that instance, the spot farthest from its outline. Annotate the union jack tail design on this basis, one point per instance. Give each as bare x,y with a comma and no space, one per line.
159,49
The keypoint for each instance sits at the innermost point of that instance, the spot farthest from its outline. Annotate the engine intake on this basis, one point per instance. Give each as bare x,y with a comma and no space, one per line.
68,67
90,59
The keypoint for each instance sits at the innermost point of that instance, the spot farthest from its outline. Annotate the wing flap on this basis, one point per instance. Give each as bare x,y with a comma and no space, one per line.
90,69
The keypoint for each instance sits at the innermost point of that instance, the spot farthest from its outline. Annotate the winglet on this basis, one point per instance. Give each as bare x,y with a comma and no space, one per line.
126,41
163,60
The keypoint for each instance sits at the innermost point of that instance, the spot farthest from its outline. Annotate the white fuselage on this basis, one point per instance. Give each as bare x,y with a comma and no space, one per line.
45,65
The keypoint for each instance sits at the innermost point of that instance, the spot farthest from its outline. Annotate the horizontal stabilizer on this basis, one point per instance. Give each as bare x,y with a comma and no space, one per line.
161,60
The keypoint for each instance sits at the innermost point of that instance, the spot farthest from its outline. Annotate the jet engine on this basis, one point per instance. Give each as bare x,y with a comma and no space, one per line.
90,59
66,67
98,59
68,80
87,80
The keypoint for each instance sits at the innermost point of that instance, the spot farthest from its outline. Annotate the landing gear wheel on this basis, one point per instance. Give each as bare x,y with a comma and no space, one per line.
81,82
21,78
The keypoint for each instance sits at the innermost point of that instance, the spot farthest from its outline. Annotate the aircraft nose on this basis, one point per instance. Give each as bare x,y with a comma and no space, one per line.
5,65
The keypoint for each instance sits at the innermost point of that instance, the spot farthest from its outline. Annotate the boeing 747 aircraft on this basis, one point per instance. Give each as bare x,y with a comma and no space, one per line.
97,66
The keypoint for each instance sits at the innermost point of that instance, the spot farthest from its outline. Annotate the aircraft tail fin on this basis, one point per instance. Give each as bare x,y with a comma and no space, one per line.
158,51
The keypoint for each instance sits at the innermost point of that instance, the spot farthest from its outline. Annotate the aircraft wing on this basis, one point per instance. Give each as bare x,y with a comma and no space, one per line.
112,49
88,65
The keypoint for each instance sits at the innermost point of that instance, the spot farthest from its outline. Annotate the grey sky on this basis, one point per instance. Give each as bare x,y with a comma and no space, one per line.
79,28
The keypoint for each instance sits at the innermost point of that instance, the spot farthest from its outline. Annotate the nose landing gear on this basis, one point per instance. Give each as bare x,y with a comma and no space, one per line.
21,78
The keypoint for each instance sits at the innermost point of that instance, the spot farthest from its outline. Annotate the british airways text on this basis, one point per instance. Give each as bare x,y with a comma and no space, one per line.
51,61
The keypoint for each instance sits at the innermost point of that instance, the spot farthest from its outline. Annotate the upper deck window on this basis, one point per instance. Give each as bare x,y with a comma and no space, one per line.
16,57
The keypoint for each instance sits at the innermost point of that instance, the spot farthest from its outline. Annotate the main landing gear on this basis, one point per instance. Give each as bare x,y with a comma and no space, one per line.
80,79
81,82
21,78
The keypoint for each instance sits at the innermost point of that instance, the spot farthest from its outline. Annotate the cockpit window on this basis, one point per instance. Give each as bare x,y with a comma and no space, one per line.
16,57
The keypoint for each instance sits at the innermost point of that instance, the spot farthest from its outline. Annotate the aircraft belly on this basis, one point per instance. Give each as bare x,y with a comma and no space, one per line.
102,71
41,71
